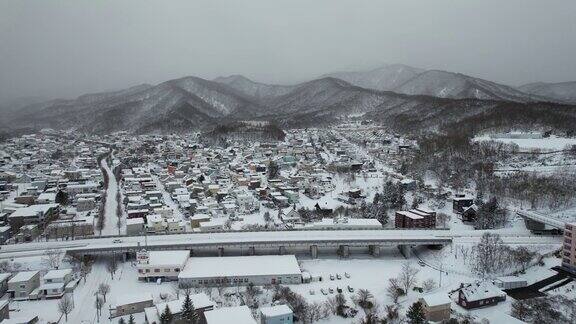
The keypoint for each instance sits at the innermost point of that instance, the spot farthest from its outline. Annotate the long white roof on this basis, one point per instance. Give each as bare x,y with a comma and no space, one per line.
241,266
227,315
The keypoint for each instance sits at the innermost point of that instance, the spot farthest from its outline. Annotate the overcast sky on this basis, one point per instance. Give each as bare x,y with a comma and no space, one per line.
66,48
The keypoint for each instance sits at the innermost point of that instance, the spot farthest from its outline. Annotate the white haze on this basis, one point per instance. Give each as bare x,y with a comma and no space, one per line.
67,48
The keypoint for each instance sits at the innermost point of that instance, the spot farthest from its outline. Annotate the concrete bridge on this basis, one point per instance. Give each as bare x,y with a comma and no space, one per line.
280,242
540,223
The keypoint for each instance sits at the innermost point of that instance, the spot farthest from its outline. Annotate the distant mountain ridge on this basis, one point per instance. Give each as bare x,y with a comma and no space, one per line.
415,81
427,99
561,91
387,78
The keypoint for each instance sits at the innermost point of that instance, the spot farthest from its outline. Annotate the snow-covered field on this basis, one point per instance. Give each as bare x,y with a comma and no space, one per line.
552,143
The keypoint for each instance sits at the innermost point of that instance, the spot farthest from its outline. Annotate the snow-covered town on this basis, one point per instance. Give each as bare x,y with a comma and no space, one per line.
287,162
322,226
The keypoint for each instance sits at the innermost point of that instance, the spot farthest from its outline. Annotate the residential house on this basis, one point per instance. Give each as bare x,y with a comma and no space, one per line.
130,304
23,283
134,226
201,302
480,294
54,283
436,306
227,315
277,314
460,202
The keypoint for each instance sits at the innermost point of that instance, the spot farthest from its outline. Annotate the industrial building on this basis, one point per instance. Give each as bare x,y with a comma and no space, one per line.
240,271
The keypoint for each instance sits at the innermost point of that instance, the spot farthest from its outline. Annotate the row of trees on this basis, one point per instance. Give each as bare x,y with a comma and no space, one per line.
492,257
545,310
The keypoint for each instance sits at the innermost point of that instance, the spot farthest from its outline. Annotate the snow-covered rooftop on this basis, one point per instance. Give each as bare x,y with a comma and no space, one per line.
241,266
23,276
481,290
164,258
436,299
273,311
57,274
227,315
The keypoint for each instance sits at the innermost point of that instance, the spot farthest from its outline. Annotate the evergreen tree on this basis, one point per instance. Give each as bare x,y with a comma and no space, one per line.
415,314
131,319
121,321
188,312
61,198
166,317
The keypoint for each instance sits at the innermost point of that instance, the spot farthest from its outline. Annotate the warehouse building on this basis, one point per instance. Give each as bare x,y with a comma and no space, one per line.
240,271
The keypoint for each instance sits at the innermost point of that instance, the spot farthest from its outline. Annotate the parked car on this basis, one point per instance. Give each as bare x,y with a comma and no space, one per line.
117,241
350,289
339,290
331,290
338,276
346,274
421,263
331,277
323,291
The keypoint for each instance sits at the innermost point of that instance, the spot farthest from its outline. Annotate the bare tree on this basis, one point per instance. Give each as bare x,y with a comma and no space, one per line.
394,290
84,270
331,305
66,305
523,256
112,266
176,289
392,313
490,255
99,303
104,289
408,276
428,284
53,258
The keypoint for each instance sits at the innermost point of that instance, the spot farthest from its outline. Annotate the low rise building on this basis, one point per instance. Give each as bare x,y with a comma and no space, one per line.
130,304
278,314
460,202
134,226
480,294
415,218
164,265
240,271
436,306
201,303
23,283
227,315
54,283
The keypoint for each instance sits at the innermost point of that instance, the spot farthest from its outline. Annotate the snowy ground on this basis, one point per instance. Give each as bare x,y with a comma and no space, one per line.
110,217
552,143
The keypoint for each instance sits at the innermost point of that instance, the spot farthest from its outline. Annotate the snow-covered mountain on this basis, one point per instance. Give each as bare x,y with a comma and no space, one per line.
562,91
387,77
414,81
428,100
254,89
180,104
444,84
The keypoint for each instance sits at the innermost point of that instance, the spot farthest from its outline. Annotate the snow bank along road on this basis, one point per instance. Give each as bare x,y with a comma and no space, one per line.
272,239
